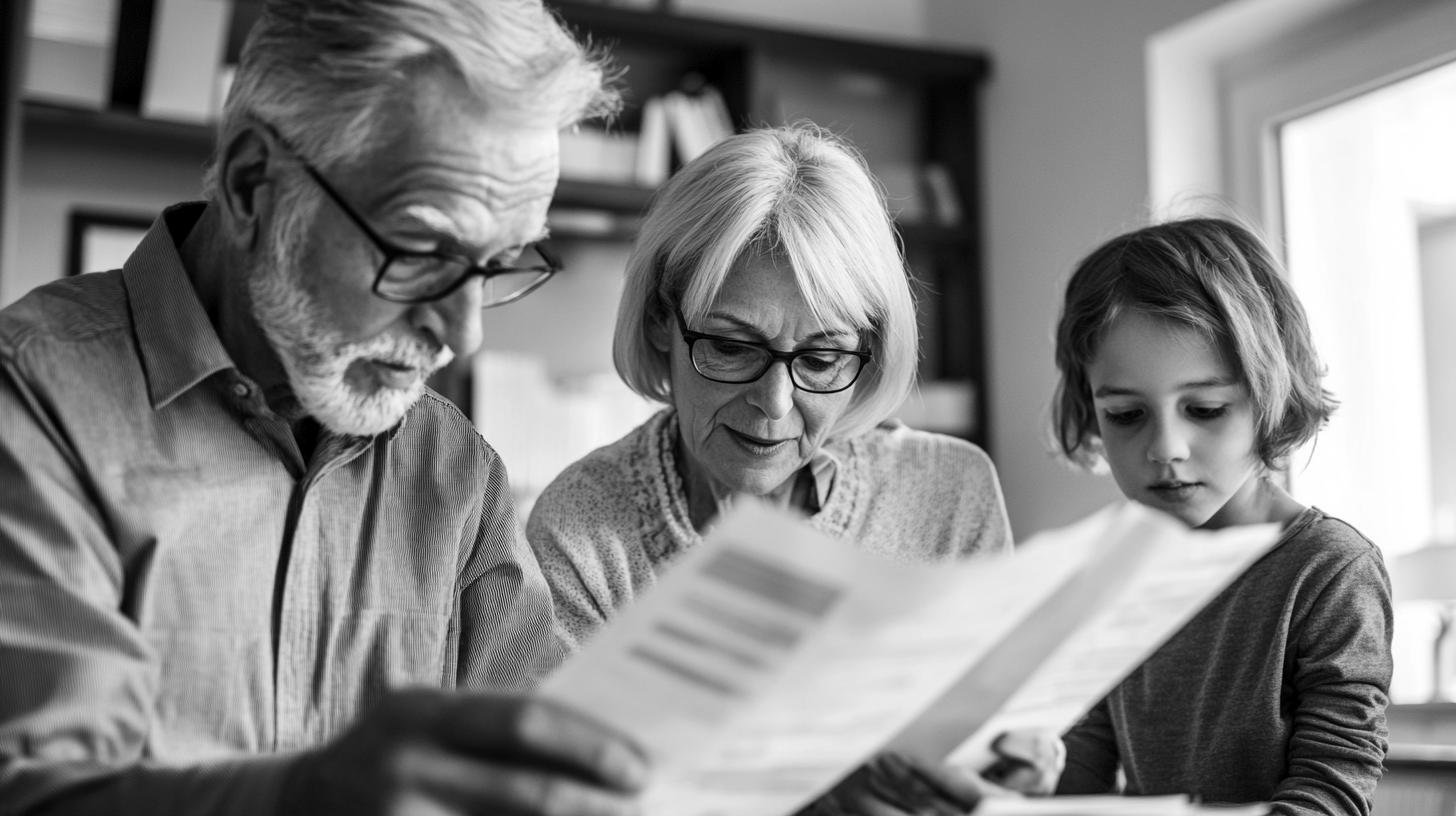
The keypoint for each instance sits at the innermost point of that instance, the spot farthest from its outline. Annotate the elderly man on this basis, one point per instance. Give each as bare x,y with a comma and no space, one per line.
233,523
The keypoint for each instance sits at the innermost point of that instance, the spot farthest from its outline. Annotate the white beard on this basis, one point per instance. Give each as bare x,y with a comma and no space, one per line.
317,359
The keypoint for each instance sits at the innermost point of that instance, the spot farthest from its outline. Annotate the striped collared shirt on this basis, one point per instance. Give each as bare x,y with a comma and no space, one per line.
180,586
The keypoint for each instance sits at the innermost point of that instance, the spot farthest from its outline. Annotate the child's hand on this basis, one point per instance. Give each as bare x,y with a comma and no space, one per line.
1031,761
898,785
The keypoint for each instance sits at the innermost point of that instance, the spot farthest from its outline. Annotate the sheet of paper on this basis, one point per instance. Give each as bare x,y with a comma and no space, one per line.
770,660
1163,587
1111,806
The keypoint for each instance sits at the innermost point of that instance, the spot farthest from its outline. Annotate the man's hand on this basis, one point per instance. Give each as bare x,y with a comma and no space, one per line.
439,752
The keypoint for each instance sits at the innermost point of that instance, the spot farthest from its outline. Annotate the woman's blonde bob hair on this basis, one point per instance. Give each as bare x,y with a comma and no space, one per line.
801,196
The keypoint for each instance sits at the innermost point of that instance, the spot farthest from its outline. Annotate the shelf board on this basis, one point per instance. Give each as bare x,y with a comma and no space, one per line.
625,199
692,32
620,199
919,232
120,124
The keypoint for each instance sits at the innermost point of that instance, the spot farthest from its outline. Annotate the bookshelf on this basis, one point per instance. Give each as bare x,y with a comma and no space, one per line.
912,110
908,108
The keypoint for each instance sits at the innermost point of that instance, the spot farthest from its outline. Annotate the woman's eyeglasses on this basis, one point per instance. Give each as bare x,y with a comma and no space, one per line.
725,360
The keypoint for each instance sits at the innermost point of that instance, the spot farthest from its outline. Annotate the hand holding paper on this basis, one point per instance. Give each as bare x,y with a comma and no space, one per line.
772,661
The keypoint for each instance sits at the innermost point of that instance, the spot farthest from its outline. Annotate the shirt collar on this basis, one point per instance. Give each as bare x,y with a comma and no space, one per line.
823,467
176,342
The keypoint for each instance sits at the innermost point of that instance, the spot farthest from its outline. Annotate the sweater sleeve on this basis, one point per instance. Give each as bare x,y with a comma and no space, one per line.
994,534
1341,682
1091,755
565,532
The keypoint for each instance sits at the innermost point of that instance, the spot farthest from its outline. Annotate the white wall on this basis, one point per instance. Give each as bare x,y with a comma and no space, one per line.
1065,164
120,175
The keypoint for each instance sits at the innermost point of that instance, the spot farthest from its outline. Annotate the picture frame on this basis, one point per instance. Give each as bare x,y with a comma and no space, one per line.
98,240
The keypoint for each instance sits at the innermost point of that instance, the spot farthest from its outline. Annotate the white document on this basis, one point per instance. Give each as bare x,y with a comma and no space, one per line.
1111,806
1159,576
771,660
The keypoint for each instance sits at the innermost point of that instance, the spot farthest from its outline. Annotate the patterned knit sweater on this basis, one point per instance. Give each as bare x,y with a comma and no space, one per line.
608,526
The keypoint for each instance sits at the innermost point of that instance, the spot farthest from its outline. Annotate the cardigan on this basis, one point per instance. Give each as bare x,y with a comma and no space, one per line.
611,523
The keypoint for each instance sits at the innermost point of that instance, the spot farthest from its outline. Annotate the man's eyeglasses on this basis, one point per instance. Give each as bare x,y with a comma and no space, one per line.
725,360
406,276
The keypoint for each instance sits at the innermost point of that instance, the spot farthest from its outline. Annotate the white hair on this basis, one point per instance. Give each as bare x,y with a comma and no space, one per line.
320,71
799,194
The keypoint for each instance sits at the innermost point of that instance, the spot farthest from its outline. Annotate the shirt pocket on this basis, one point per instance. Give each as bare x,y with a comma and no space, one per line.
212,697
374,651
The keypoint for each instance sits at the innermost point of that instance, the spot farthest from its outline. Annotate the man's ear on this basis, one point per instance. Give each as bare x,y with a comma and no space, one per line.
244,194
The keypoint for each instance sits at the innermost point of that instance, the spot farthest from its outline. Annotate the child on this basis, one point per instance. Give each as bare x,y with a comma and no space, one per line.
1186,364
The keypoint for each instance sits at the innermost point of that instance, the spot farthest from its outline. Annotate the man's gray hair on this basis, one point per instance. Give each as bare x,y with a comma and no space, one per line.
321,70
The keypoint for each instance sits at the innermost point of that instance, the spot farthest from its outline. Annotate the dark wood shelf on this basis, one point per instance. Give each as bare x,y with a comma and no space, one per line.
919,232
122,126
607,23
160,133
627,199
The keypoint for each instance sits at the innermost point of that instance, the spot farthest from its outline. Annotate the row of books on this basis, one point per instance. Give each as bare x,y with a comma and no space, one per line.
164,59
678,125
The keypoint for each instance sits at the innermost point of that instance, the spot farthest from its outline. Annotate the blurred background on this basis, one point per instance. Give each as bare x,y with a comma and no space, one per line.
1011,137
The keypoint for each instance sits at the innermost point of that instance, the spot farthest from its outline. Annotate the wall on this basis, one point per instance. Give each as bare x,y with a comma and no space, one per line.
124,175
1065,158
1438,273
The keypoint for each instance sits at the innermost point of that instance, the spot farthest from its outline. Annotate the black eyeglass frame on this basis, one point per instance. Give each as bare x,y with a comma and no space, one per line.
549,266
774,356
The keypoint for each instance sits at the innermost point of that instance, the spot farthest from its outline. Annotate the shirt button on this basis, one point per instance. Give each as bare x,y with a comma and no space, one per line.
240,389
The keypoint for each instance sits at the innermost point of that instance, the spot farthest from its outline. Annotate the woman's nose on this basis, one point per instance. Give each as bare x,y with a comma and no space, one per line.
773,393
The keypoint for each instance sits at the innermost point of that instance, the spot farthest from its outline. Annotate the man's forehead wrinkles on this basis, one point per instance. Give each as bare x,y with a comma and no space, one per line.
495,185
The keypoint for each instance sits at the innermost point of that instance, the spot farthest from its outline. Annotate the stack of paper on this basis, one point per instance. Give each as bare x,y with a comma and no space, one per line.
771,660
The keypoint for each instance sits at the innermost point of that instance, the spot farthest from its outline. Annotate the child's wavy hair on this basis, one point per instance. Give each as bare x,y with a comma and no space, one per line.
1217,277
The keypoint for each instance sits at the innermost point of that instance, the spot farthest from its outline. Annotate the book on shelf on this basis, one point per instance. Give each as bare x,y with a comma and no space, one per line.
696,120
686,122
654,158
595,154
940,189
69,53
772,660
186,53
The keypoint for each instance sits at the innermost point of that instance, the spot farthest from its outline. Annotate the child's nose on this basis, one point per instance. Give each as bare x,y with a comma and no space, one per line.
1169,442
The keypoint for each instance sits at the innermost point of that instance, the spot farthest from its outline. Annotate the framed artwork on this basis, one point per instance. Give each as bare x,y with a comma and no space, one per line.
98,241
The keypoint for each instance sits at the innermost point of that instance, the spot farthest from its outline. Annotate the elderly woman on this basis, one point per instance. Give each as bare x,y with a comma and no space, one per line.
768,306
